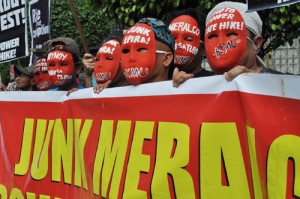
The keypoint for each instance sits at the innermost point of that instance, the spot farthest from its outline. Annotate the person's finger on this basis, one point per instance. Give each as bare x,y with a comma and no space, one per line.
186,76
71,91
175,77
107,84
181,77
97,89
175,72
236,71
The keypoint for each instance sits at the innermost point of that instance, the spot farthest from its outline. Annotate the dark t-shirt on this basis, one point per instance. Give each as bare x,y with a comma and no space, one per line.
204,73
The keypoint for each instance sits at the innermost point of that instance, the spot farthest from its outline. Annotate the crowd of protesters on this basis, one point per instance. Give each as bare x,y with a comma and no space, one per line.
153,51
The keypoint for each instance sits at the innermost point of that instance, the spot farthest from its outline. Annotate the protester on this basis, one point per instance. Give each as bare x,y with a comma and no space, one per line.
250,61
187,27
147,51
40,75
64,65
24,78
106,65
40,70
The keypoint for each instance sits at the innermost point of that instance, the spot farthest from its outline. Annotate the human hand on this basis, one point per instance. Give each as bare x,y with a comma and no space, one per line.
234,72
71,91
88,61
100,87
2,87
179,77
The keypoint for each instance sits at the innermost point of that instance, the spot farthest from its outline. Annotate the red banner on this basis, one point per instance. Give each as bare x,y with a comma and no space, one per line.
209,138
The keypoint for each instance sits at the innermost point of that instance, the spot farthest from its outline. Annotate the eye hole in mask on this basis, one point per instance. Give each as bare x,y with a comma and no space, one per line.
142,50
125,51
213,36
232,34
189,39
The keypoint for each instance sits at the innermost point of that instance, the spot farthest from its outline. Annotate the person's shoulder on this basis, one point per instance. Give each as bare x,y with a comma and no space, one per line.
272,71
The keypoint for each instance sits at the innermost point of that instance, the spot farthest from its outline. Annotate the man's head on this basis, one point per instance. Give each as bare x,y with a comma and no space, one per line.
147,51
41,76
24,78
186,27
107,61
63,62
254,30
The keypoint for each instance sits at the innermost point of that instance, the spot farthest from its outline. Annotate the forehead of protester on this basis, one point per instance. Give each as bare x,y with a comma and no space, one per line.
252,19
196,14
185,23
40,65
161,31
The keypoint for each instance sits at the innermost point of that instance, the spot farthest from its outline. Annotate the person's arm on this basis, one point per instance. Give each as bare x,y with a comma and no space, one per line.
88,61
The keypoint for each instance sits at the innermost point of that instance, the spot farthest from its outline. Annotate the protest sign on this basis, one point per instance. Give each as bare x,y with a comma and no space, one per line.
13,30
256,5
39,21
207,139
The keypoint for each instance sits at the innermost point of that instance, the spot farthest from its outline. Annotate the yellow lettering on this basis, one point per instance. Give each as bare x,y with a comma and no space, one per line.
3,192
16,194
137,161
218,138
30,195
62,151
166,164
111,157
22,167
40,158
80,140
254,167
283,148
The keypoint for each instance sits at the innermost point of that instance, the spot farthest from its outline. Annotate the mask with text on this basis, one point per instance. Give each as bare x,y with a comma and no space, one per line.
225,40
107,61
41,76
186,32
60,67
138,53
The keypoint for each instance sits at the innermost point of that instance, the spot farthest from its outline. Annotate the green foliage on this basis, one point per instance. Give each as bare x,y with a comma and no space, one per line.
281,25
94,24
4,72
127,12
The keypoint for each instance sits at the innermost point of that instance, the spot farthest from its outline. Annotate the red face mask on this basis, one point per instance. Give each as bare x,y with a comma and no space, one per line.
186,32
225,40
41,76
107,61
138,53
60,67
